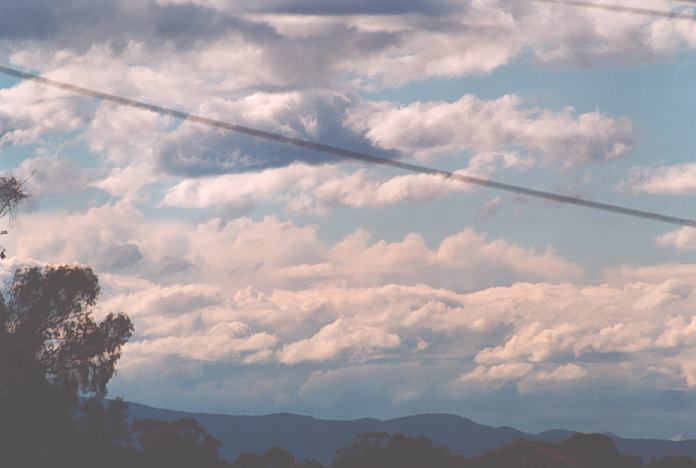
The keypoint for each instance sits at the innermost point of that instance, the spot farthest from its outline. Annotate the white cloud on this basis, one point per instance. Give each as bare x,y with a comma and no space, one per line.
210,347
49,175
272,253
682,239
316,189
497,375
338,336
29,110
679,179
563,373
319,313
433,128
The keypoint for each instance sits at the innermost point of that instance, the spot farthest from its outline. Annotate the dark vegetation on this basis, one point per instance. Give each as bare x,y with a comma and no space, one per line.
56,359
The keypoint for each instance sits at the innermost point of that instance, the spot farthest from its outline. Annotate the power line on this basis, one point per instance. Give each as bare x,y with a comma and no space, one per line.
624,9
350,154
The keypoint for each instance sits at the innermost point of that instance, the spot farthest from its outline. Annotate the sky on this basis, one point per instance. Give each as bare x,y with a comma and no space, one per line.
264,279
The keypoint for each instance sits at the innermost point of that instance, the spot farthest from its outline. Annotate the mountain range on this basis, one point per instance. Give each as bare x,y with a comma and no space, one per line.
308,437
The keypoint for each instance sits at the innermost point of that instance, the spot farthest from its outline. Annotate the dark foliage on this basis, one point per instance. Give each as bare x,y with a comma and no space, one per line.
51,349
673,462
580,451
47,325
178,444
12,193
273,458
381,450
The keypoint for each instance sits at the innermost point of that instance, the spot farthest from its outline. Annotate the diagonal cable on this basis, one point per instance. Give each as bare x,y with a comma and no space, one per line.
350,154
623,9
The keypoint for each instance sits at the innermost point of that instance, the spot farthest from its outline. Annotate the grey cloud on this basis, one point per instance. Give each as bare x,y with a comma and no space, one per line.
196,151
440,38
120,257
50,175
81,23
352,7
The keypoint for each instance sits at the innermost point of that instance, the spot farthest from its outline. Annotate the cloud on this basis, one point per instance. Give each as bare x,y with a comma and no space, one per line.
29,110
425,129
679,179
193,150
350,7
142,149
214,346
317,189
51,175
479,342
360,298
78,23
650,274
563,373
254,45
682,239
328,342
273,253
269,301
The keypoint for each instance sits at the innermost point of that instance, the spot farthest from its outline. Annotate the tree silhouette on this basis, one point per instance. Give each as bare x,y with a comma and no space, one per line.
12,193
51,349
273,458
178,444
47,327
104,437
382,450
673,462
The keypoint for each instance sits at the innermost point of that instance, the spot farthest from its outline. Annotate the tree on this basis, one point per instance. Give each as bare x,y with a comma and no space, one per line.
47,328
103,435
178,444
51,351
673,462
12,193
382,450
273,458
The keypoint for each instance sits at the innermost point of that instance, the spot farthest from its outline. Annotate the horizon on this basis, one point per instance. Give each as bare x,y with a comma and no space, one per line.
405,416
264,278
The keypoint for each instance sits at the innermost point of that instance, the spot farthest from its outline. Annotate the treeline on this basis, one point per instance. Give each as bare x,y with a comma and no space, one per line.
54,354
380,450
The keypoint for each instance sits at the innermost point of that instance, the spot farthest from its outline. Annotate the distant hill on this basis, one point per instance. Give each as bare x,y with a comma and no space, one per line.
308,437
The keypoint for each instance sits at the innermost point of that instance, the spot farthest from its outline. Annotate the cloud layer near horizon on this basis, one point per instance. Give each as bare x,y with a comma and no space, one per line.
268,298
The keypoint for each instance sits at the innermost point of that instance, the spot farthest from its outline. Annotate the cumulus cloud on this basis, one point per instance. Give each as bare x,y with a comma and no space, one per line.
431,128
214,346
357,299
273,253
316,189
29,110
682,239
195,150
50,175
336,337
382,41
246,72
679,179
650,274
536,337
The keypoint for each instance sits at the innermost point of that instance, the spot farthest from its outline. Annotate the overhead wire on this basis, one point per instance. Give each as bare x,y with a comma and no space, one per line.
679,15
347,153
